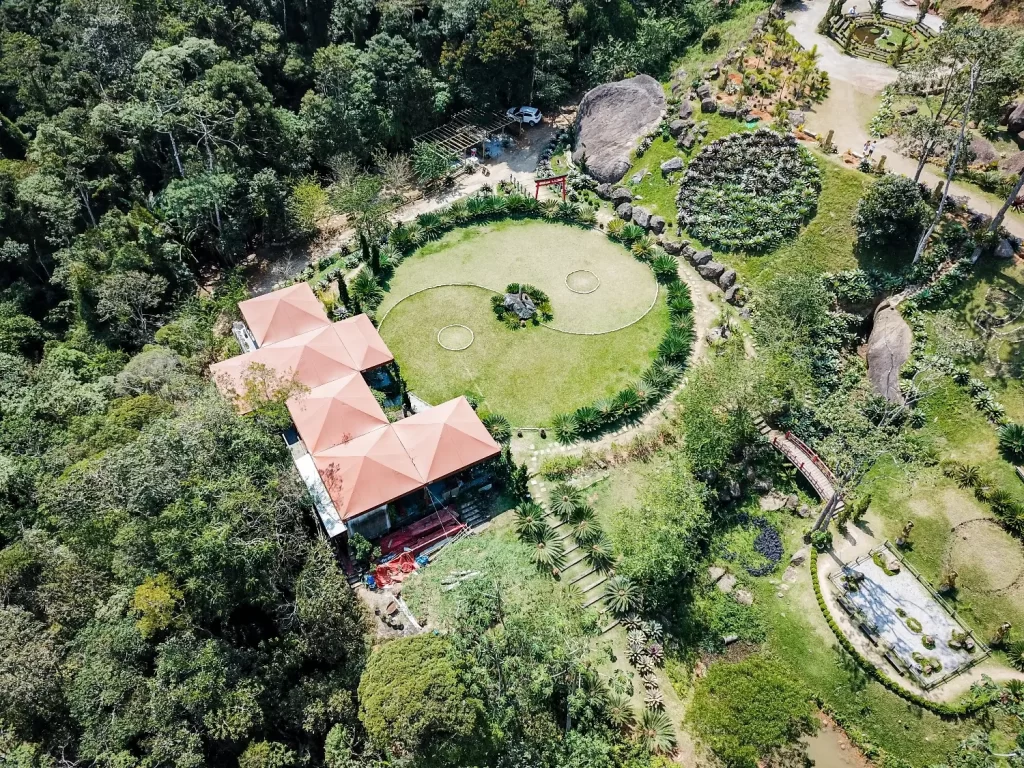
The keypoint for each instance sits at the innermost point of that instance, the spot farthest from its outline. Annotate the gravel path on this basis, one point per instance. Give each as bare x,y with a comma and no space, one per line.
856,84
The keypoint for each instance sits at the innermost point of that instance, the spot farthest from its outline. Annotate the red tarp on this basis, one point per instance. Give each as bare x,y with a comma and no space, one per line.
395,571
423,533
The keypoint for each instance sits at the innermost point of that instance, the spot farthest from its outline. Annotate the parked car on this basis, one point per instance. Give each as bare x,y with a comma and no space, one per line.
528,115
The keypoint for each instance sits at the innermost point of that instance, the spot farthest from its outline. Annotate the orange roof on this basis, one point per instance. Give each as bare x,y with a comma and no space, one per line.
311,359
283,314
446,439
363,342
336,412
367,471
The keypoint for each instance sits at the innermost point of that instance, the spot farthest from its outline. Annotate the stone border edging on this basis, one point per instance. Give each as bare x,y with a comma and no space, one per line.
582,293
938,708
472,337
647,311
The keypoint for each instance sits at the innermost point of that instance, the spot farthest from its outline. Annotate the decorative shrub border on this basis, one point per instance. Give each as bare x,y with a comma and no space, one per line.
938,708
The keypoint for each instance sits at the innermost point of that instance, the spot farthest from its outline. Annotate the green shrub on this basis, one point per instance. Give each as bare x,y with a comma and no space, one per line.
891,215
750,710
565,428
1011,442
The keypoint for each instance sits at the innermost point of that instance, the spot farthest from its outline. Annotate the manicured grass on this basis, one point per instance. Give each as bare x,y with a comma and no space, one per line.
533,373
541,254
734,32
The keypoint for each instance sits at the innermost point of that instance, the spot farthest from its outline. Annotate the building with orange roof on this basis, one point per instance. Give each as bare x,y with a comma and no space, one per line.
364,473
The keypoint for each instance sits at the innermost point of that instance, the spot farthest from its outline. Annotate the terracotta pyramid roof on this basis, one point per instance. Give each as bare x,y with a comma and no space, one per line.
336,412
312,359
283,314
446,439
367,471
363,342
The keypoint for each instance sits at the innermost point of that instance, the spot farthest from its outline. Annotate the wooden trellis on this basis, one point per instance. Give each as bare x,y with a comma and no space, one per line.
466,129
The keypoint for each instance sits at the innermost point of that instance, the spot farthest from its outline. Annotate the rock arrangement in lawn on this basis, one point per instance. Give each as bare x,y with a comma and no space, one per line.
749,191
520,304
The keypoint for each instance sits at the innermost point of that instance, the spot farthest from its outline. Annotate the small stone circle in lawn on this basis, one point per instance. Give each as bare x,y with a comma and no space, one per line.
455,337
582,281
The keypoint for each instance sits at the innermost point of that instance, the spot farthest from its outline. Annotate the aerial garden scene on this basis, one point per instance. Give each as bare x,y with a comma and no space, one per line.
562,385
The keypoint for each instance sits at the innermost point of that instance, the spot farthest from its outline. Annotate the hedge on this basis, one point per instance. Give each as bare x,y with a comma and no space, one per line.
938,708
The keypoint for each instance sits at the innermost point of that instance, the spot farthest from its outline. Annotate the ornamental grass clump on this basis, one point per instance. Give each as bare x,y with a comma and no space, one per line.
749,191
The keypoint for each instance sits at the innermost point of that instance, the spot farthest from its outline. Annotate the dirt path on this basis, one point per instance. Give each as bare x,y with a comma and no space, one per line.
852,100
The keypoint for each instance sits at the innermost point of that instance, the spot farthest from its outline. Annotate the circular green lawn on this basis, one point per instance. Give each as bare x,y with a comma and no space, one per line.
533,373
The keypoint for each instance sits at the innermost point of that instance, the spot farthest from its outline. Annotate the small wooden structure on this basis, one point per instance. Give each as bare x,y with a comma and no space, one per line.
554,180
467,129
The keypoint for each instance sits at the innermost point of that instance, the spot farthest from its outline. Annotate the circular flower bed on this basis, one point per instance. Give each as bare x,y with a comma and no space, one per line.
455,338
749,191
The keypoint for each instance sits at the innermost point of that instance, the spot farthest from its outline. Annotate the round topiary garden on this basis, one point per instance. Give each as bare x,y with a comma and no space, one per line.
749,191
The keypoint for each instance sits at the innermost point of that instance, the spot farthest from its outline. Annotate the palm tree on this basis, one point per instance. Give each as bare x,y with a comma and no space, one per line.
644,248
600,553
968,476
365,289
548,552
564,500
655,732
499,427
586,531
1015,655
529,521
1011,442
622,595
620,712
565,428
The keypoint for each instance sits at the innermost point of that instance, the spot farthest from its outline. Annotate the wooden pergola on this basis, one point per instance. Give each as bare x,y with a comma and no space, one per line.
467,129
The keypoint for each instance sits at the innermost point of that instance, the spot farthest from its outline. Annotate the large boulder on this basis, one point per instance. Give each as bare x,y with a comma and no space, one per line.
657,225
982,151
708,105
672,247
727,279
712,270
888,349
728,110
621,195
704,91
1013,164
676,128
685,109
702,257
1015,120
797,118
1004,250
641,217
624,211
611,118
604,191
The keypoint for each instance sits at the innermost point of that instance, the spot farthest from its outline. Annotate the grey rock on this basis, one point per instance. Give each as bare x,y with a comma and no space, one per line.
1015,120
708,105
611,118
888,349
735,490
702,257
686,109
624,211
672,247
746,313
727,583
672,165
730,294
657,224
727,110
711,270
797,118
641,217
743,597
983,151
1013,164
637,177
908,111
704,91
715,573
727,279
676,128
713,72
604,191
1004,250
792,500
621,195
687,141
729,639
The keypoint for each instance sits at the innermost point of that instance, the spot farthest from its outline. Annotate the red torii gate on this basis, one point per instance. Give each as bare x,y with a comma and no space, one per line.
560,180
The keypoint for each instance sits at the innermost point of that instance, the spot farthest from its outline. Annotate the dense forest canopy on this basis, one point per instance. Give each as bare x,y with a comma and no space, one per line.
143,141
164,596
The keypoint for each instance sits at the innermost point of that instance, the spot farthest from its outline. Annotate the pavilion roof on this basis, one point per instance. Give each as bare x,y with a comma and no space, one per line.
363,342
367,471
336,412
283,314
446,439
